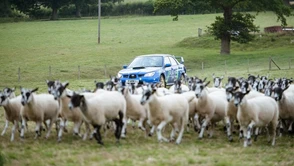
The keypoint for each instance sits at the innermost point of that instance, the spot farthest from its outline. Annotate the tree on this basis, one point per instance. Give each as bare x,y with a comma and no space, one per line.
54,5
226,27
5,8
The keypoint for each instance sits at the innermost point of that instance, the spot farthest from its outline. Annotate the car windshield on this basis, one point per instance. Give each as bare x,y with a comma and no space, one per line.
146,61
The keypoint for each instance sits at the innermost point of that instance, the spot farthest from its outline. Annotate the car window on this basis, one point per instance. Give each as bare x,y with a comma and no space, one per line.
146,61
173,61
166,60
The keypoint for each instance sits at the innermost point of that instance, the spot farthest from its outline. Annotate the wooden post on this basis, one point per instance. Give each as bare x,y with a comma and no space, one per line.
79,71
290,63
270,63
248,65
50,72
105,71
199,32
226,67
19,74
202,65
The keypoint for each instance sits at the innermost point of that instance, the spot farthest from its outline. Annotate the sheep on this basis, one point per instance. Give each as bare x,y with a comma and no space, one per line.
285,100
107,106
173,109
38,108
135,111
98,85
231,112
259,112
217,81
178,87
211,105
60,93
12,108
9,92
268,89
111,85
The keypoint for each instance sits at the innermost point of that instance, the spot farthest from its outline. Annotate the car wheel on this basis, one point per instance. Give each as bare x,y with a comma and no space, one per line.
182,78
162,81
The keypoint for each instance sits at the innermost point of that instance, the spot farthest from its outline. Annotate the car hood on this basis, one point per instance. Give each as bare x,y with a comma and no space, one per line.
139,70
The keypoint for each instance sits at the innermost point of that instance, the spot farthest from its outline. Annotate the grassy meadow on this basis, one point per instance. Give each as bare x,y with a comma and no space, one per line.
55,50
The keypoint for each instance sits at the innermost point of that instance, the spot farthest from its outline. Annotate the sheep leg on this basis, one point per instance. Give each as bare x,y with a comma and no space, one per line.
274,125
65,124
267,134
197,126
13,130
159,129
173,133
88,130
124,130
152,130
183,123
37,129
23,125
140,124
5,127
229,129
50,127
244,129
249,130
76,128
61,126
204,125
211,130
97,134
256,133
290,127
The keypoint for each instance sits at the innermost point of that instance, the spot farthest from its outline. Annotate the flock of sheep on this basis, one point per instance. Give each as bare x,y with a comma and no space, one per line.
256,104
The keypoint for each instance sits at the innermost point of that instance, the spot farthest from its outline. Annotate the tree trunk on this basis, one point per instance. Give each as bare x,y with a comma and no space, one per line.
78,11
5,10
54,9
54,14
226,36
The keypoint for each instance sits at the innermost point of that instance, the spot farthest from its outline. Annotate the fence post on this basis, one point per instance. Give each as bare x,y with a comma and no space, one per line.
290,63
248,65
270,63
18,74
202,65
105,71
199,32
226,67
50,72
79,71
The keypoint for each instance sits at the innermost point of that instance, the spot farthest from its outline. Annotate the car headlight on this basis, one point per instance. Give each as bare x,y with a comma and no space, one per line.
119,75
149,74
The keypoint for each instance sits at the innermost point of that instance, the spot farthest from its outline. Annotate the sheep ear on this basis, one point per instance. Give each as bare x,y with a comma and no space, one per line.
213,76
204,79
286,87
65,84
206,83
34,90
235,88
222,77
13,89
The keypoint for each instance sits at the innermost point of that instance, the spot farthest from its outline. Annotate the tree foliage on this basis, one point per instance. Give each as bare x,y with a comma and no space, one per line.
239,28
236,27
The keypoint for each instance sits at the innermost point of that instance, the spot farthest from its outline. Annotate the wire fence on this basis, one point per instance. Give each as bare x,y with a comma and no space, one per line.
224,67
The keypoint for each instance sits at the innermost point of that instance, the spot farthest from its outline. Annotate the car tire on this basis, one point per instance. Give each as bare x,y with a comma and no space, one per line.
162,81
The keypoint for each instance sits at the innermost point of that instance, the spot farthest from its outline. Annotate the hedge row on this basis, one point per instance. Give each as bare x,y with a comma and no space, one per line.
111,9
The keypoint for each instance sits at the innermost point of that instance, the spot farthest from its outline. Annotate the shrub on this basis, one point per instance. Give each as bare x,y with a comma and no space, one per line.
2,159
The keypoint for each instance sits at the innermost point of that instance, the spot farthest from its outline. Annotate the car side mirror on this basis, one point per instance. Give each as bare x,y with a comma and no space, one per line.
167,65
125,66
182,60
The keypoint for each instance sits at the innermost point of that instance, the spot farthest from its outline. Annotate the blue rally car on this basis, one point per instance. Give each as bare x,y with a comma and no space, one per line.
153,68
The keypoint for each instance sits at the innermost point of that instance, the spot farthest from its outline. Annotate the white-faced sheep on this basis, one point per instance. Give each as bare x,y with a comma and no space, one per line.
135,111
171,109
38,108
9,92
178,87
259,112
285,99
108,106
211,105
12,112
60,93
217,81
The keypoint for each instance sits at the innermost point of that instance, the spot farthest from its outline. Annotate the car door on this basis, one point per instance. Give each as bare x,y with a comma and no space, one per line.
174,68
168,78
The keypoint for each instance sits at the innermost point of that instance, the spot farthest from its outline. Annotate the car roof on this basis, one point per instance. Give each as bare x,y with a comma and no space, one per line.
164,55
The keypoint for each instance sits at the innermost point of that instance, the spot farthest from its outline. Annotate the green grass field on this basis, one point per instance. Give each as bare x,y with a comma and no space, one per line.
64,45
